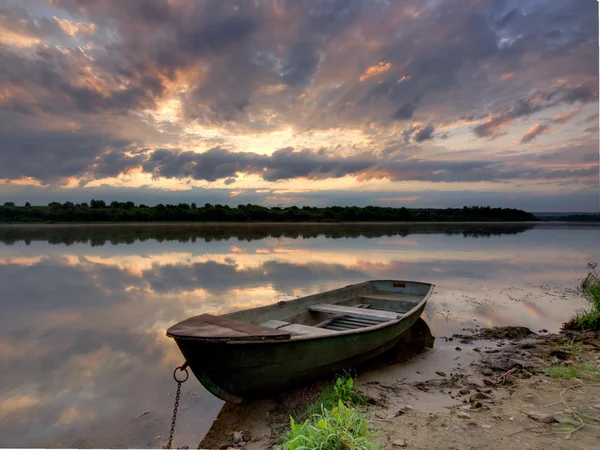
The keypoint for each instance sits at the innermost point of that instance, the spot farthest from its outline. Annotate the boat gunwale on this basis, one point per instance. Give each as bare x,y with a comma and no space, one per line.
301,338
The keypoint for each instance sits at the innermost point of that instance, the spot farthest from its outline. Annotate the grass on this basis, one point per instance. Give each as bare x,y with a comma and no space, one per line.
588,319
579,370
333,422
342,389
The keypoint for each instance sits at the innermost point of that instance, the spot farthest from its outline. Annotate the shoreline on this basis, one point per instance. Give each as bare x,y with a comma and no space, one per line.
476,393
270,224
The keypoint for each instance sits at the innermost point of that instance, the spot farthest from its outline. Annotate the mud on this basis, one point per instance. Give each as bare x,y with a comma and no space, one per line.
491,393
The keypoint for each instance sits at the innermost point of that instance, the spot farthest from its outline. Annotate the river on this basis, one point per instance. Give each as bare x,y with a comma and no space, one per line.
84,360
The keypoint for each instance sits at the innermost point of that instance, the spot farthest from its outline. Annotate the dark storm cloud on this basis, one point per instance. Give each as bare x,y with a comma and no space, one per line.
113,163
285,163
301,64
424,133
404,112
218,163
51,155
418,133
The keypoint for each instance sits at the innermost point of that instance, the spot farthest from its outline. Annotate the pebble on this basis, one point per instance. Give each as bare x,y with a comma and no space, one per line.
463,415
487,372
399,443
464,391
457,429
487,427
596,406
458,349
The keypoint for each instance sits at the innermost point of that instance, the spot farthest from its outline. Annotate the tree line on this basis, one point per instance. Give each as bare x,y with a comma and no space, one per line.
100,211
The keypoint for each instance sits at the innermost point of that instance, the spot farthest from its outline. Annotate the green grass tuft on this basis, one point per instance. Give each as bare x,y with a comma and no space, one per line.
332,422
580,370
588,319
339,428
342,389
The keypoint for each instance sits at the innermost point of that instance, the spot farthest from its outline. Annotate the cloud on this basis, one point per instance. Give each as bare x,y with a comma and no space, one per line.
563,118
375,70
285,163
534,132
424,133
404,112
541,100
418,133
74,28
102,80
51,155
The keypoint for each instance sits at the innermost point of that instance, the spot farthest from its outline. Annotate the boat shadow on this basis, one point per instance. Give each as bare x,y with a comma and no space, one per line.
262,418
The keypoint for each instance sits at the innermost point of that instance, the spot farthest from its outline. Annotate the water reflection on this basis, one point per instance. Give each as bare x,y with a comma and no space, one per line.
128,234
83,356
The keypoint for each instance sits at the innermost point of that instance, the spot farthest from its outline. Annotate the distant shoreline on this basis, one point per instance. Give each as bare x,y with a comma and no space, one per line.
272,224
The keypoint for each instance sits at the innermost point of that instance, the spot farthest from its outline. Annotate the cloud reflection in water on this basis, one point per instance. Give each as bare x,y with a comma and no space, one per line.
82,346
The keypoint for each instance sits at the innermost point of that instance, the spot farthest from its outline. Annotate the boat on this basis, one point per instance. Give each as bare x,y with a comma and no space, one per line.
258,351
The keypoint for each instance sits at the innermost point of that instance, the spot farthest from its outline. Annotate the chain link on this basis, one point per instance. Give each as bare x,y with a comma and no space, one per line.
183,368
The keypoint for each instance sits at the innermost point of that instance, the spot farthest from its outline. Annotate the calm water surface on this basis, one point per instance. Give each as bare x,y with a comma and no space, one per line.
84,360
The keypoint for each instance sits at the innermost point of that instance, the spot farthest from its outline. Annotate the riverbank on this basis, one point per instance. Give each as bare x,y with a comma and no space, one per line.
534,390
481,387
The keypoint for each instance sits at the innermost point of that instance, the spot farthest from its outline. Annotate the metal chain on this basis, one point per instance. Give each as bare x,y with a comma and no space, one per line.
183,368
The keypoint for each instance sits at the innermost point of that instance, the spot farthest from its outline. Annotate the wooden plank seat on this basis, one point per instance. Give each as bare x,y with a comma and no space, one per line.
216,328
365,313
296,329
395,297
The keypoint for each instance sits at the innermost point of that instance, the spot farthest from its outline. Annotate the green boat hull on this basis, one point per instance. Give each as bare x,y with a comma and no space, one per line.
236,370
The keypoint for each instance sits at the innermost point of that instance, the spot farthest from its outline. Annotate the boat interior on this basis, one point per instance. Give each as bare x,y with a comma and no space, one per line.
367,305
358,312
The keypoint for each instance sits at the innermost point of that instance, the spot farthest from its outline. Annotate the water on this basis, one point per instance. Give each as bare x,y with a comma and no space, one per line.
84,360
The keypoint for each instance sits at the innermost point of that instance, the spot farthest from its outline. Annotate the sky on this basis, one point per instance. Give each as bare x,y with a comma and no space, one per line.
414,103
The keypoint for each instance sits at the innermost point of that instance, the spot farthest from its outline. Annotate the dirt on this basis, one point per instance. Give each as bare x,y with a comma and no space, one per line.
501,398
494,333
493,393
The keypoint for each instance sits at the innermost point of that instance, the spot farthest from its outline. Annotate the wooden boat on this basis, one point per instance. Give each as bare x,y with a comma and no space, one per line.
261,350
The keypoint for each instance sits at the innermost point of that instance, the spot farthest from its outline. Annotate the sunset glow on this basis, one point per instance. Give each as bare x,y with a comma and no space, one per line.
406,102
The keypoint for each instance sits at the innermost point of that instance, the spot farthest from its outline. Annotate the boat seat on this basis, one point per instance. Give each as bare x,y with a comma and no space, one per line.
296,329
404,297
365,313
276,324
206,326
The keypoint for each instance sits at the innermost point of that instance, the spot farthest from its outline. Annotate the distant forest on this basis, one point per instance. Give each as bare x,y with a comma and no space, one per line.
115,212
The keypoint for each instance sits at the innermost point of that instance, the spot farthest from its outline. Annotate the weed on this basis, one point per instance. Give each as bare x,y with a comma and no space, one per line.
339,428
342,389
588,319
579,370
331,422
